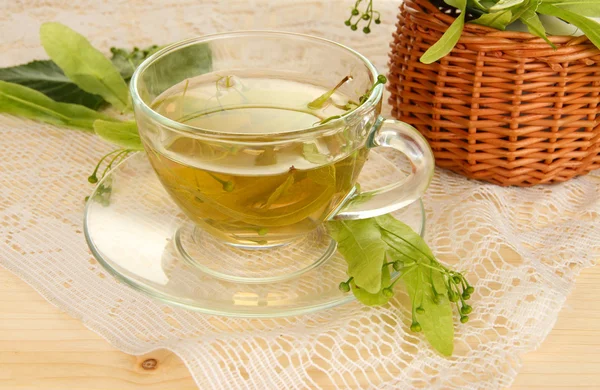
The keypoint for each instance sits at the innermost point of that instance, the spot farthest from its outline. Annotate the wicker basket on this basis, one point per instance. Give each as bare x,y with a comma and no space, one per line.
503,107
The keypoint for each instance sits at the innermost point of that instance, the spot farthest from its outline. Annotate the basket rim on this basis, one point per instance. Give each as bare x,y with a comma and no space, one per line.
424,9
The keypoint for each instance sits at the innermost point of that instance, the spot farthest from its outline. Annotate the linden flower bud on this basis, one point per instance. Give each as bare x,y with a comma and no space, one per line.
387,292
415,327
344,287
466,309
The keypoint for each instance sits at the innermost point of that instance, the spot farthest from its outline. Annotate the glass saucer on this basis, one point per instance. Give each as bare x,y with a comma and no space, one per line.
136,231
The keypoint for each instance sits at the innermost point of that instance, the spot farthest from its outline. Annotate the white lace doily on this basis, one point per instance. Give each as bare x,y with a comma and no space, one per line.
550,232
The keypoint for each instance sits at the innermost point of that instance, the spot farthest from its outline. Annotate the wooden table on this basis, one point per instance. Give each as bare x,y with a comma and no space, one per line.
43,348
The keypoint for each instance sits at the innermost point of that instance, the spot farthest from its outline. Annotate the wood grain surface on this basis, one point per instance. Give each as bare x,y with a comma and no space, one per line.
43,348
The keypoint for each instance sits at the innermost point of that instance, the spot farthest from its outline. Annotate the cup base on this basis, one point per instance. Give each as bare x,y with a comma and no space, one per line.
256,263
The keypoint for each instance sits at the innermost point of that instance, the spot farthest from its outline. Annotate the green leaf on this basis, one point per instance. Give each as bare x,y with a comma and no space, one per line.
321,100
589,8
376,299
401,235
127,61
479,5
84,65
311,153
497,20
449,39
590,28
124,134
22,101
47,78
436,321
282,189
453,3
534,25
504,4
421,279
517,12
360,243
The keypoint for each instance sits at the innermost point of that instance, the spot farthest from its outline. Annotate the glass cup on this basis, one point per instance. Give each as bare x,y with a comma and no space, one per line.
266,189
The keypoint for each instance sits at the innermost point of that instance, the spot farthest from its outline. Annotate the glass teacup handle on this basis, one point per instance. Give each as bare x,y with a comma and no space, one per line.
389,133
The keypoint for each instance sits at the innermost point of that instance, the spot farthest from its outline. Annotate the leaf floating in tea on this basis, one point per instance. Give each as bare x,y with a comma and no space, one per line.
326,120
279,191
321,100
311,153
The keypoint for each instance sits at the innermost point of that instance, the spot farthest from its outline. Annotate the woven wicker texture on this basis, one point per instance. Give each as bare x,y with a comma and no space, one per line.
503,106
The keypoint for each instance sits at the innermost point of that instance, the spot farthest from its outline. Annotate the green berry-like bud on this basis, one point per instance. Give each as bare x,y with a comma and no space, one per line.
470,290
420,310
466,309
466,296
415,327
344,287
377,21
387,292
228,186
397,265
464,319
355,11
366,17
354,27
381,79
347,22
456,279
366,30
93,179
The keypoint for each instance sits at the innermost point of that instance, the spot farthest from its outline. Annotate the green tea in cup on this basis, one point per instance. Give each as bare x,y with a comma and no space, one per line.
254,143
